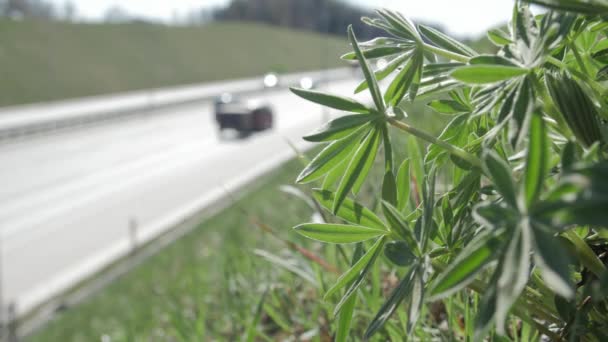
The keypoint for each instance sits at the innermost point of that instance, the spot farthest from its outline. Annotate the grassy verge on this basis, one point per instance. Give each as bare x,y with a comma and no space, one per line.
206,284
48,60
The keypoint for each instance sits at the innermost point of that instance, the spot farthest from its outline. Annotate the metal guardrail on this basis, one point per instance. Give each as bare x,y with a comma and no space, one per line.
22,121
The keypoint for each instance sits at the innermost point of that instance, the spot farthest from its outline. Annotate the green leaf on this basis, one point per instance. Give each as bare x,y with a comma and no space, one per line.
340,127
446,211
495,215
506,108
388,150
336,173
384,25
403,185
491,60
514,274
486,73
448,107
441,40
406,79
553,265
387,70
338,233
592,8
389,188
388,308
416,163
569,156
416,301
429,226
375,52
601,55
399,225
379,41
498,37
455,133
437,69
576,107
399,253
369,76
523,108
331,156
437,89
358,168
537,159
350,210
332,101
357,272
400,24
522,25
472,260
579,198
487,309
602,74
500,173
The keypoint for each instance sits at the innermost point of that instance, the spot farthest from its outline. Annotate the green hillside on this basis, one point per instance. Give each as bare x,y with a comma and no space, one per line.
46,60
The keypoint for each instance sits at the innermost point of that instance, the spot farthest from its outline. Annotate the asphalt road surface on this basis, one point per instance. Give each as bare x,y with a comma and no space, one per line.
67,200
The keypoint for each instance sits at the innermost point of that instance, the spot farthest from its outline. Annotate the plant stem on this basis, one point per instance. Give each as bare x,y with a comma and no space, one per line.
579,60
447,54
457,151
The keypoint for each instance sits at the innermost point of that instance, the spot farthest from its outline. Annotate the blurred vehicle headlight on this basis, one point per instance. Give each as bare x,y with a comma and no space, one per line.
271,80
306,83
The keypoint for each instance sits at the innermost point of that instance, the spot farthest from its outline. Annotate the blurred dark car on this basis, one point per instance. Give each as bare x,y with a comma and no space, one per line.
243,116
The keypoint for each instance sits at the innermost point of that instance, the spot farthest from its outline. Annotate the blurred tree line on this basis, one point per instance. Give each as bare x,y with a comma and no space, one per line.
38,9
325,16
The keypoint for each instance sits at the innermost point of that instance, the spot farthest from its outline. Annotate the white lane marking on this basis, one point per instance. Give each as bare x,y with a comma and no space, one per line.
96,149
20,215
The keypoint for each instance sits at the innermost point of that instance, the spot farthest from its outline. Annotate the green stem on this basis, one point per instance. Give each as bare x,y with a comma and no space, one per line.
447,54
579,60
457,151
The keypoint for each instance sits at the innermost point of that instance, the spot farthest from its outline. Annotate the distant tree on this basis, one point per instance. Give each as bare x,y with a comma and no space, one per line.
28,9
325,16
117,15
68,11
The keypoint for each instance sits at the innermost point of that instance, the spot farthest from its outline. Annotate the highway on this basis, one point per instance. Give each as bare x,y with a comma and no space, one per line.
67,199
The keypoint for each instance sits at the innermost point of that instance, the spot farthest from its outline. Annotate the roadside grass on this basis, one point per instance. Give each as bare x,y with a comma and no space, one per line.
229,280
44,61
205,284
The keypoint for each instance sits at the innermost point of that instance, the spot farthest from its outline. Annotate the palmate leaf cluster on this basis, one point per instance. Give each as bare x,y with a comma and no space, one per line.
520,215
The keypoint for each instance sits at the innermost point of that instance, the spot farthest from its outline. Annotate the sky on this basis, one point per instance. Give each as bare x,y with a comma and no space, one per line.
459,17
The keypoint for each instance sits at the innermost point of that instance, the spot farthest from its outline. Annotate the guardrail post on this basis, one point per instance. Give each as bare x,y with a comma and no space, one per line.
133,235
11,323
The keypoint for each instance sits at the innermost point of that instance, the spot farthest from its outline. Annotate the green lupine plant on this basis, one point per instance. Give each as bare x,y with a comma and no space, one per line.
507,210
